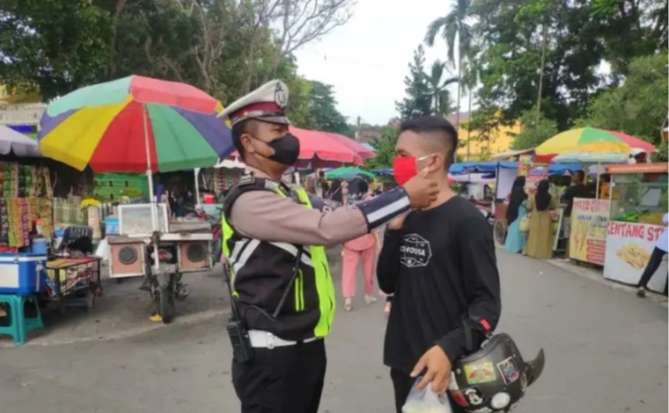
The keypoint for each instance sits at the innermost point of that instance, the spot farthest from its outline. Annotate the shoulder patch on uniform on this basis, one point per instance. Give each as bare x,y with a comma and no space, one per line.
247,179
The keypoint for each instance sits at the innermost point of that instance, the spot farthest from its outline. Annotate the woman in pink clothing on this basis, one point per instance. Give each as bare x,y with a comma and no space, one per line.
363,248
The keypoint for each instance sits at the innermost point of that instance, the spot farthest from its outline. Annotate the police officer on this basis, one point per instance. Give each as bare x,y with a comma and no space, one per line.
273,239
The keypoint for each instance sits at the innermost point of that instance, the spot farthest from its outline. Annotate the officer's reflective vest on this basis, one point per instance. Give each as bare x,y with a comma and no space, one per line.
260,274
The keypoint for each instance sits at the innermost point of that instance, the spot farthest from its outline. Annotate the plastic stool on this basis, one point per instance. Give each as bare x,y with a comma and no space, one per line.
20,324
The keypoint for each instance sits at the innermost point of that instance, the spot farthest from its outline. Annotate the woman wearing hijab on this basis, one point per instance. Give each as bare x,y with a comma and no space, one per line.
540,237
515,239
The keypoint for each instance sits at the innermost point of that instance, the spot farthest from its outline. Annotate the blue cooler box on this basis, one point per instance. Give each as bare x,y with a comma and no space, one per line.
22,273
111,226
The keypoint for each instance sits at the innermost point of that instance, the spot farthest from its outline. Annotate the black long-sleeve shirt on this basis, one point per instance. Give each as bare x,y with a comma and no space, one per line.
440,267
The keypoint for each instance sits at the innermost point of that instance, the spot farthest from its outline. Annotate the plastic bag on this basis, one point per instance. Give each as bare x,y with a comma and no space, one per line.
426,401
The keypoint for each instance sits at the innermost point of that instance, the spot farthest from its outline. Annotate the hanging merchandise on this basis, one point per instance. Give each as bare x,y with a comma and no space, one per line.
25,204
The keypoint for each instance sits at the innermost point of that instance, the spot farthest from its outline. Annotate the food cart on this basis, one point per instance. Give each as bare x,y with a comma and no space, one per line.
638,201
183,247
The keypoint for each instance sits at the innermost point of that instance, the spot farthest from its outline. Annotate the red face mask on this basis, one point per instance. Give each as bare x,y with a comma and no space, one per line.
404,168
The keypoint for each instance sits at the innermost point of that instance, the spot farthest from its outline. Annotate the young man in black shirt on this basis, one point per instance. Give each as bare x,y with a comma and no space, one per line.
440,265
578,190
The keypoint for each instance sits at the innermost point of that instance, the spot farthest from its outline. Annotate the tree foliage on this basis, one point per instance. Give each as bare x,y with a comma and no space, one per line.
535,131
418,100
323,111
224,47
549,54
385,149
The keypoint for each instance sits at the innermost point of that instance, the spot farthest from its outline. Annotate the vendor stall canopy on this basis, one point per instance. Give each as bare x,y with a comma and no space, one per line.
491,166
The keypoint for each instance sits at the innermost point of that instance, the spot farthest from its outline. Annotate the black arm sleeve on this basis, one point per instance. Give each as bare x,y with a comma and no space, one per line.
481,280
388,266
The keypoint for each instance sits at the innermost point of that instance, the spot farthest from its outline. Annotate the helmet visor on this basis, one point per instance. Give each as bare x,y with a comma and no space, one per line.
535,367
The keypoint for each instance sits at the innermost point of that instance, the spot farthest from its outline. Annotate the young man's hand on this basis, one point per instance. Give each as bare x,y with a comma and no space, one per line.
438,370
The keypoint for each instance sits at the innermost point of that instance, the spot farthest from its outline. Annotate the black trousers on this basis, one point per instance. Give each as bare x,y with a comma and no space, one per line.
402,383
652,266
282,380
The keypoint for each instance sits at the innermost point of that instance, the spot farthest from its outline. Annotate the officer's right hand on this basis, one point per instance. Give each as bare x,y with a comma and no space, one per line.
422,191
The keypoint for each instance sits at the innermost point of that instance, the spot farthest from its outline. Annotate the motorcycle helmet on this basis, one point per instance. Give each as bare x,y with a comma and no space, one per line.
494,378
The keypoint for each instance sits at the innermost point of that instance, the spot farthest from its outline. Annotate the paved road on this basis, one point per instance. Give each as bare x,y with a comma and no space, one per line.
606,352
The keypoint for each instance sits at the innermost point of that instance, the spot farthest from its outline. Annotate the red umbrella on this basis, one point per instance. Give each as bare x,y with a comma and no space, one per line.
324,146
355,146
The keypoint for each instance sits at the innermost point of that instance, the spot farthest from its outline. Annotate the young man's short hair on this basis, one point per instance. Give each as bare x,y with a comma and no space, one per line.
439,129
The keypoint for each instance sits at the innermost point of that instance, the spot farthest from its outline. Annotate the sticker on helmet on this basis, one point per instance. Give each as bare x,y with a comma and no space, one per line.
474,396
509,371
459,398
482,410
480,373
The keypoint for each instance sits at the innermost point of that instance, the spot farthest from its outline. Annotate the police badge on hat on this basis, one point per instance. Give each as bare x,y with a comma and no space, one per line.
266,103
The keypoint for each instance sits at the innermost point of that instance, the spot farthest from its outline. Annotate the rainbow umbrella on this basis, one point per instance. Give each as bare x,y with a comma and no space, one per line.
595,152
566,141
135,124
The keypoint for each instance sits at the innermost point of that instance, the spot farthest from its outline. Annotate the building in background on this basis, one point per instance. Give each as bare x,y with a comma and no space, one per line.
483,147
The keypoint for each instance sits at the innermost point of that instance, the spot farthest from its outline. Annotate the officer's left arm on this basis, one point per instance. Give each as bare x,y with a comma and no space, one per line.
481,281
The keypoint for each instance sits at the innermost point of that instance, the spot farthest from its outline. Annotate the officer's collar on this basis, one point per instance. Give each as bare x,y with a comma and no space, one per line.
256,176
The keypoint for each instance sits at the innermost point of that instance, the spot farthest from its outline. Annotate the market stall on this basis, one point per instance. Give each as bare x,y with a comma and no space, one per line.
159,135
638,201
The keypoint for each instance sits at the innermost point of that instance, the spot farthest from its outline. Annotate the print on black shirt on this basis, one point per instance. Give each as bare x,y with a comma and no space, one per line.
415,251
441,266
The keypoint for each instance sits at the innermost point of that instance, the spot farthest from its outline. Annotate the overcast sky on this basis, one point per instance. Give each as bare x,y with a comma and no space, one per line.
366,59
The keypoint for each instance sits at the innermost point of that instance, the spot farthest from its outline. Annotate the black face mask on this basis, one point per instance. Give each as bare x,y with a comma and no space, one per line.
286,149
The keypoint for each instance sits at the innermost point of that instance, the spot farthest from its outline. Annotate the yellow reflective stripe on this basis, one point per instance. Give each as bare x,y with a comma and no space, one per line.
226,232
301,291
324,285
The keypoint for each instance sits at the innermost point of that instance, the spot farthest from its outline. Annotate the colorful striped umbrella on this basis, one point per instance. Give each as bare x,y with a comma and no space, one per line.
566,141
111,127
595,152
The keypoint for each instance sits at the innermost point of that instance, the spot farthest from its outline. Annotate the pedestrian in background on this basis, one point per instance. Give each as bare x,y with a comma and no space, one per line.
540,238
515,212
655,260
364,248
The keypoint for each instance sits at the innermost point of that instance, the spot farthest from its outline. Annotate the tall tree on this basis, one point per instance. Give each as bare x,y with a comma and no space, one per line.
418,101
438,89
323,111
456,31
639,106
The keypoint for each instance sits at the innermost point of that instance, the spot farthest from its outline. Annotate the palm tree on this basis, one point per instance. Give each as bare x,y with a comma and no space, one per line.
454,30
441,100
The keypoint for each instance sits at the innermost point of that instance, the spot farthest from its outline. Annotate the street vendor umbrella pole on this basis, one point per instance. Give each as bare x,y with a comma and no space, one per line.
99,126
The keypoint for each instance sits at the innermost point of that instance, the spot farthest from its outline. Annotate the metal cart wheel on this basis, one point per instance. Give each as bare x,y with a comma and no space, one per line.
499,232
166,303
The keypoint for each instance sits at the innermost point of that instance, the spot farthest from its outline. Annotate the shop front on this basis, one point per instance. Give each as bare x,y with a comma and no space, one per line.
638,202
